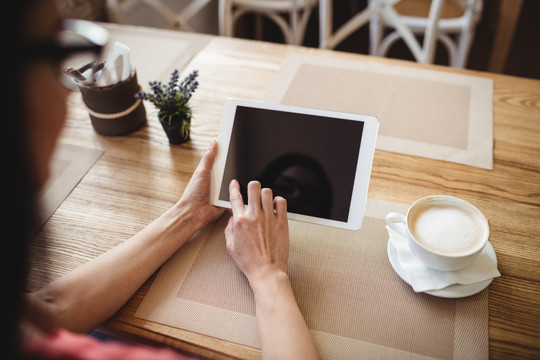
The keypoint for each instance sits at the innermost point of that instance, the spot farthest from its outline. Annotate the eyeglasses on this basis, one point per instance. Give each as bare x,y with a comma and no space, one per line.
74,52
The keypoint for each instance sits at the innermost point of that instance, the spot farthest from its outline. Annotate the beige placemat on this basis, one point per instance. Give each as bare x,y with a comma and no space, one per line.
69,164
352,300
428,113
156,52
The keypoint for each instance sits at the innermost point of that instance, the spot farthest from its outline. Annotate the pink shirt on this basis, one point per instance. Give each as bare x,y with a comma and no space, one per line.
65,345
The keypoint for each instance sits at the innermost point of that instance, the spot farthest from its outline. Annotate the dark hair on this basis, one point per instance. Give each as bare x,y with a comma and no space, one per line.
271,173
19,196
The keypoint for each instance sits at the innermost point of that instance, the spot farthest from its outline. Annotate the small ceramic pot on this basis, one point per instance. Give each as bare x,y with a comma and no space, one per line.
173,130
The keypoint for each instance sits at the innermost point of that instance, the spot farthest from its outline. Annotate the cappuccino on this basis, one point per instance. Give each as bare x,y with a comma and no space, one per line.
446,233
446,229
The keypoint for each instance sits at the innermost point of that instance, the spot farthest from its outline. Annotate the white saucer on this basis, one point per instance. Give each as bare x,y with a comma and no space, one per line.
451,291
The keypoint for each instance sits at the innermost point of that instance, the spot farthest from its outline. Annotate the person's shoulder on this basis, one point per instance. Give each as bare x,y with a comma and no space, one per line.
62,344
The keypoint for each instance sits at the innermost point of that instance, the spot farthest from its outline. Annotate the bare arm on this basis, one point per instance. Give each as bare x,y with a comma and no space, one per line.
258,241
89,295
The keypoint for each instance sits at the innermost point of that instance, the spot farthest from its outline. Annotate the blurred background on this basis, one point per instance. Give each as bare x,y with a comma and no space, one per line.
522,57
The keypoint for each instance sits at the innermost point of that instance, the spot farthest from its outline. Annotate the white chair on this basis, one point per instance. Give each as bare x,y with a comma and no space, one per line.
462,27
117,10
297,12
381,13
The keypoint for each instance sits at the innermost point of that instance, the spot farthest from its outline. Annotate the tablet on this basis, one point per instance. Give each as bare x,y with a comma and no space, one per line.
319,160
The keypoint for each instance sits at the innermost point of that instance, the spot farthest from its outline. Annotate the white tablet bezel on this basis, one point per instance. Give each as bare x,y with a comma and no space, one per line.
363,169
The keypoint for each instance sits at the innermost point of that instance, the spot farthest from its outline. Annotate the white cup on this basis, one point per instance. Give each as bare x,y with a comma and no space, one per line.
444,232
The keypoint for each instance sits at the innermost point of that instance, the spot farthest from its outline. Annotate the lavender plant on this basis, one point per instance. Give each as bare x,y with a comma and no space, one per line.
172,99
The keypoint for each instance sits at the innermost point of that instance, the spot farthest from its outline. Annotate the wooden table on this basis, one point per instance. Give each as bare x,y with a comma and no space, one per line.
139,176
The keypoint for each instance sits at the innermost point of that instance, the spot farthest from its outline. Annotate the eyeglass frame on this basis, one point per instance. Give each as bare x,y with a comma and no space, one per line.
55,50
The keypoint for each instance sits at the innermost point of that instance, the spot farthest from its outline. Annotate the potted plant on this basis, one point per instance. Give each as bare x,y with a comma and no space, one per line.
171,101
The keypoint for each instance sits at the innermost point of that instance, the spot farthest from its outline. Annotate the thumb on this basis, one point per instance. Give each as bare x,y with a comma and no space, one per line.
208,159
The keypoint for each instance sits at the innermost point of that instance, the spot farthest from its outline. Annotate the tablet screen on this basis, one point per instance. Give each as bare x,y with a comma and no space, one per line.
309,159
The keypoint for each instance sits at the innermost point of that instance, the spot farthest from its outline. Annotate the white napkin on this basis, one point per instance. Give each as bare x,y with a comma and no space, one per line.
117,67
423,278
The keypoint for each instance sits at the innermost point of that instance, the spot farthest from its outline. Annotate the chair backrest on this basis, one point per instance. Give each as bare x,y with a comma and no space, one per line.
434,28
293,29
117,10
382,13
422,53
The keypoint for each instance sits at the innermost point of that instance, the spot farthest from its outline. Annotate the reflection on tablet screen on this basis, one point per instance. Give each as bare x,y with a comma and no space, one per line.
302,160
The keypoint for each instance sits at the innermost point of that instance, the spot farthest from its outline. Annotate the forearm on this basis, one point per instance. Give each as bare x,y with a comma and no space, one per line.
283,331
84,298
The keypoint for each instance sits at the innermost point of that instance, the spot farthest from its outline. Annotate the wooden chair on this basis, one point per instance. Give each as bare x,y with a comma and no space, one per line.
381,14
117,10
434,25
291,16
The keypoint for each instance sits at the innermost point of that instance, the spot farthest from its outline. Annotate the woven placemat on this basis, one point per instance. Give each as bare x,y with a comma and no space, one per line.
69,165
421,112
155,53
352,300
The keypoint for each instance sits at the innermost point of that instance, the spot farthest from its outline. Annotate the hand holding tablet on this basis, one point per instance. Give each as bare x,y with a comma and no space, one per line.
319,160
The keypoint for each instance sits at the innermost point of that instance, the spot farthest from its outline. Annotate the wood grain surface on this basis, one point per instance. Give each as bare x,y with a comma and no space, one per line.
140,175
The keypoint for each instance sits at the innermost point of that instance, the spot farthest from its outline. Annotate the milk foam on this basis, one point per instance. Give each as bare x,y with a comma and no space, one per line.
445,229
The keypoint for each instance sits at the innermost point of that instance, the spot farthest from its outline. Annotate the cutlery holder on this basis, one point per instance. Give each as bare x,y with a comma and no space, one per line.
113,109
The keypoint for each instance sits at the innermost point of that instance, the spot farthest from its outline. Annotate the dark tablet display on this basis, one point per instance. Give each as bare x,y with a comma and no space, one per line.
311,158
